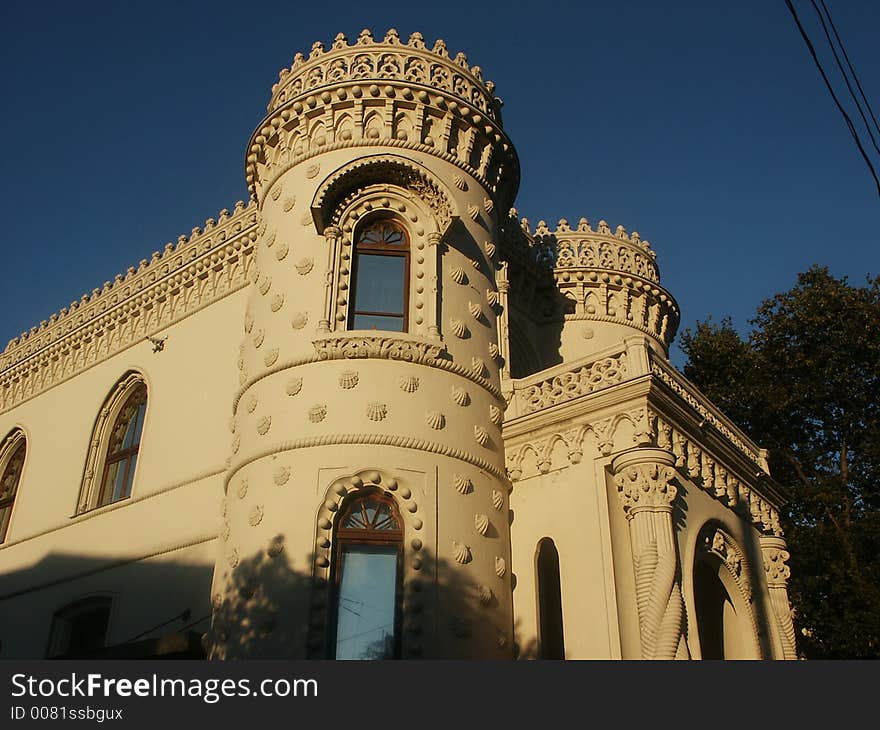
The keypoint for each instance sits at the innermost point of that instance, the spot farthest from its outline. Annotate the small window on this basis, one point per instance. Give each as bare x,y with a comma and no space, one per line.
11,465
122,450
369,547
80,629
381,278
550,634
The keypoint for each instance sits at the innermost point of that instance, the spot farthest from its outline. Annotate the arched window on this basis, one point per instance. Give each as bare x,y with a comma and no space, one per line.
80,628
550,633
122,451
380,278
115,445
12,454
367,570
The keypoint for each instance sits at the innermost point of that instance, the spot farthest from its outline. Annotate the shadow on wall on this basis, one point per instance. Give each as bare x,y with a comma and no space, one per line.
270,610
54,608
535,334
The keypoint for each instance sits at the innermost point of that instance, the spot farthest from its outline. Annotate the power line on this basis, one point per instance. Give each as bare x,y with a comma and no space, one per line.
843,73
849,65
849,123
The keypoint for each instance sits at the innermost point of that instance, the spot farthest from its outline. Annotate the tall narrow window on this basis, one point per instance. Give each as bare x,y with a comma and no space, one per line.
122,452
369,550
11,465
550,634
381,277
80,628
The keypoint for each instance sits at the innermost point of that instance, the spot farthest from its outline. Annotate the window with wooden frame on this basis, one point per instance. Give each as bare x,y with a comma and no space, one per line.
115,445
11,465
123,447
380,277
367,569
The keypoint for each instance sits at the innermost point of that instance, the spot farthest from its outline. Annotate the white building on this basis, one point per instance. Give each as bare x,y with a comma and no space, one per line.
451,436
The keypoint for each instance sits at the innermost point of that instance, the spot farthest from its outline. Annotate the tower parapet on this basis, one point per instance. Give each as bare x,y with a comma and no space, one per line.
385,92
611,283
585,289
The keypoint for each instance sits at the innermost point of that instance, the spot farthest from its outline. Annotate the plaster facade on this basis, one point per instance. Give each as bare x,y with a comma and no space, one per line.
525,394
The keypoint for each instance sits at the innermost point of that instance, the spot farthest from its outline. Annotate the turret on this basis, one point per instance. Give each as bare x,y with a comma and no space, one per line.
366,509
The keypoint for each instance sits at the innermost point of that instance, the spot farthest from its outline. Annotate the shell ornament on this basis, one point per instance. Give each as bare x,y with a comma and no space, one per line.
462,484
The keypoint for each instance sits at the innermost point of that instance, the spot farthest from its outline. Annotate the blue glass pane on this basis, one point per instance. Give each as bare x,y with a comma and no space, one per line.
379,285
375,322
126,485
119,486
135,424
365,623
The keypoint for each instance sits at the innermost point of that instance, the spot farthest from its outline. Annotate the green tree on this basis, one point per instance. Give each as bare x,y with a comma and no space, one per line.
806,385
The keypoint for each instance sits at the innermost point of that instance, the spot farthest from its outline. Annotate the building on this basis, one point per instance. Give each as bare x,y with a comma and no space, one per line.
447,434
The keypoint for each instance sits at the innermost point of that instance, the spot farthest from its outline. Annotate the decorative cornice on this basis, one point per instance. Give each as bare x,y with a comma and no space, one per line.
388,59
174,284
690,394
330,351
599,249
721,478
373,439
384,94
720,466
354,345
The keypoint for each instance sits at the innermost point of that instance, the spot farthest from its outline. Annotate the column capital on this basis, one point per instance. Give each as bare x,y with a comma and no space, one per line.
776,555
644,479
333,232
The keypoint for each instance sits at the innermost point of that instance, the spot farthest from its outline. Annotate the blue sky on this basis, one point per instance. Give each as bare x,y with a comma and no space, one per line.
702,125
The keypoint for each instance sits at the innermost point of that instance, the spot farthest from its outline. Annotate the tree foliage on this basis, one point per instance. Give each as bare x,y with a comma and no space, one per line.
806,385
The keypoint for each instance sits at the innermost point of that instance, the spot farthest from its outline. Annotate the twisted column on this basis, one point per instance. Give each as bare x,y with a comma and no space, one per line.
775,553
644,483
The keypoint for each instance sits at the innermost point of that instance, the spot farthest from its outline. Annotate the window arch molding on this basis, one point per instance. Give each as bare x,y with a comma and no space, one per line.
414,561
717,555
13,458
395,187
131,387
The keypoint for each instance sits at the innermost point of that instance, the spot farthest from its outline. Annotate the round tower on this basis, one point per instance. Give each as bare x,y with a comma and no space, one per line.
366,504
610,283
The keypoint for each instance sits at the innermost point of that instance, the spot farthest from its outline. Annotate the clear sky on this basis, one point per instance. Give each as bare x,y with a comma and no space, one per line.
703,125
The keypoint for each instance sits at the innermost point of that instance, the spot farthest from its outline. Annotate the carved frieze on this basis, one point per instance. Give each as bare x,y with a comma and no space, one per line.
345,346
572,384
